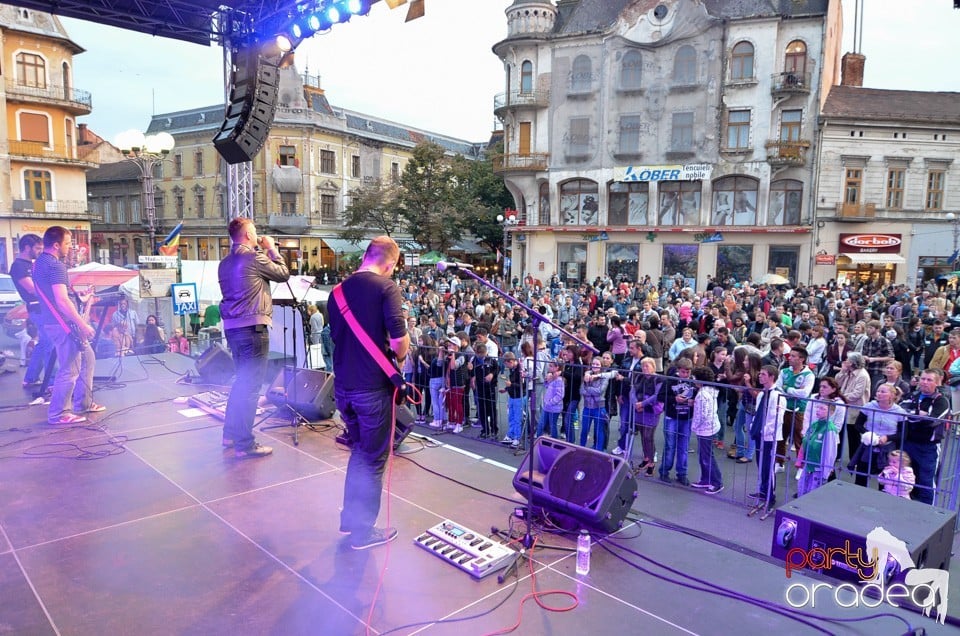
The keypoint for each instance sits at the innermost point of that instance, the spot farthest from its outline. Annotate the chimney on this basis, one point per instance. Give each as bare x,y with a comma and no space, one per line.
851,69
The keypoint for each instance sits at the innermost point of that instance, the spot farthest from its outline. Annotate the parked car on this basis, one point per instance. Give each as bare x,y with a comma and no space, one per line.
9,296
15,320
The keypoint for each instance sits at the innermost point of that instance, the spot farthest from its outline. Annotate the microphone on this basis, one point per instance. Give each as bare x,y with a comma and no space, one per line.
443,266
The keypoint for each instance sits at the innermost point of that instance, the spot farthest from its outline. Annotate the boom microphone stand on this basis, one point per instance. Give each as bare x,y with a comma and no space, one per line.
537,319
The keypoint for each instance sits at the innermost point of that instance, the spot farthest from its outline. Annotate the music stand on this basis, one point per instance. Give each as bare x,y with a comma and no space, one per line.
296,417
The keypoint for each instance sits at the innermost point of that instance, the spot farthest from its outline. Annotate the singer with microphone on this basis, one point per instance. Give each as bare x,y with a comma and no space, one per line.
247,313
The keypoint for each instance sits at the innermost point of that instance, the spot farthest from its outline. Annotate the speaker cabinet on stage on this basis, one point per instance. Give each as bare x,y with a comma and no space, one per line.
840,516
594,488
254,84
215,365
308,391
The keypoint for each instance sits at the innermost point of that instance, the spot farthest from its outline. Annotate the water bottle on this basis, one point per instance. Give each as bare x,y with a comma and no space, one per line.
583,553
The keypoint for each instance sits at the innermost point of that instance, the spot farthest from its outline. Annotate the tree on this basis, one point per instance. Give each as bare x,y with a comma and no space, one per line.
372,207
428,198
483,196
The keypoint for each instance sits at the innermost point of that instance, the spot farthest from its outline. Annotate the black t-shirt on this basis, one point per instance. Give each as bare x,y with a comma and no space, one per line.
375,302
47,272
20,269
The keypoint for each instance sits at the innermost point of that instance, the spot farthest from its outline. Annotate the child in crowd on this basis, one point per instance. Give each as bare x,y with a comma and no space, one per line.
818,451
552,399
593,389
897,477
514,390
705,425
457,376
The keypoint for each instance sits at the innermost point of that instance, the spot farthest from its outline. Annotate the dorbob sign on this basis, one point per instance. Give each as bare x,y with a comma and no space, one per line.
870,243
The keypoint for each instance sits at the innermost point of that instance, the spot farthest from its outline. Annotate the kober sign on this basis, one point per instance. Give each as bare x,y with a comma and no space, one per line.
870,243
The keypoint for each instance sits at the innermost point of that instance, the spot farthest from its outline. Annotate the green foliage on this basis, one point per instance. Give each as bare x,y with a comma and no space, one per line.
373,209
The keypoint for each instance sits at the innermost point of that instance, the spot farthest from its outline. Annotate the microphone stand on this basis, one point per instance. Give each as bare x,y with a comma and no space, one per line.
537,319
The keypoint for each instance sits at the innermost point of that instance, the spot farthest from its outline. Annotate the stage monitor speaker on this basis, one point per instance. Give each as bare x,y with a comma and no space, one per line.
254,84
308,391
840,518
215,365
594,488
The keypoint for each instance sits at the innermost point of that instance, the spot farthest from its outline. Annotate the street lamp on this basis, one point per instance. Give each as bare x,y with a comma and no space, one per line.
507,219
146,152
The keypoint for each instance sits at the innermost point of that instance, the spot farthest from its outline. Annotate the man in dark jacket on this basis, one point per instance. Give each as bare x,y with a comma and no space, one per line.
923,430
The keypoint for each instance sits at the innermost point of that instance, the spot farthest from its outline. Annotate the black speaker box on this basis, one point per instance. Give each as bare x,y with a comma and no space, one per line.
215,365
594,488
840,518
308,391
254,84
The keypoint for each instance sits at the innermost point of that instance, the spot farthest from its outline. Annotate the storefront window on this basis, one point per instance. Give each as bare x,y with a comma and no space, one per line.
734,262
628,203
680,261
623,261
784,260
571,262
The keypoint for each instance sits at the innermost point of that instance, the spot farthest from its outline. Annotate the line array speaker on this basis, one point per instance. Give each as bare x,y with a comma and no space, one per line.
593,488
254,83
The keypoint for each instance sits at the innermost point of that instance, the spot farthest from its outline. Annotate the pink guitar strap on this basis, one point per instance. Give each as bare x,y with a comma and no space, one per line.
375,352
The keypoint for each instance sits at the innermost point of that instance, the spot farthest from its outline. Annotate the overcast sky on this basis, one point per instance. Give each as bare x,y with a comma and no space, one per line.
438,73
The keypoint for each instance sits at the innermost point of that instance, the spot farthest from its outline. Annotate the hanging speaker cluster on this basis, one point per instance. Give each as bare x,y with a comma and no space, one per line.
254,83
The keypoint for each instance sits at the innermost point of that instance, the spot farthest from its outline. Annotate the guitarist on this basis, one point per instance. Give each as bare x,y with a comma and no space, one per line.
72,394
363,391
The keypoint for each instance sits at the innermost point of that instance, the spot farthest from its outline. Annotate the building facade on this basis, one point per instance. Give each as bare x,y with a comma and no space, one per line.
314,156
888,196
42,169
664,138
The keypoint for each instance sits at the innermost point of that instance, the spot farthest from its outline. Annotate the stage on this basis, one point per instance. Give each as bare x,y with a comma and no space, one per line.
142,523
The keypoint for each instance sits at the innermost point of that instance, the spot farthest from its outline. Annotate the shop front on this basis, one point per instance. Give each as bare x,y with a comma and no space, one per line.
869,259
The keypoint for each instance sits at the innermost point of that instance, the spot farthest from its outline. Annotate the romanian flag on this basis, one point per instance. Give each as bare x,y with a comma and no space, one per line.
498,255
171,245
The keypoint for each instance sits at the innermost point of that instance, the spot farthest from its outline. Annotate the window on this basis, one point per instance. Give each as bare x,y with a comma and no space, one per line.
179,205
355,166
288,155
31,70
623,261
572,262
738,129
578,143
681,259
121,210
198,162
328,208
395,172
629,135
685,66
288,203
107,211
328,162
784,258
38,186
135,216
741,61
796,58
679,203
786,201
34,127
790,125
631,70
158,203
628,203
526,77
201,203
852,183
681,134
68,133
579,203
934,200
735,201
543,205
895,179
734,262
581,77
178,165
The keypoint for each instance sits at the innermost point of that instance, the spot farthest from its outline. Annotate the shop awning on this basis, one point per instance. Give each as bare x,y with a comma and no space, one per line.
345,246
875,258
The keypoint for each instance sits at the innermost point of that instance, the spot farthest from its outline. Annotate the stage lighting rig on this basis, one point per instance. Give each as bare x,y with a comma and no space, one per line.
317,17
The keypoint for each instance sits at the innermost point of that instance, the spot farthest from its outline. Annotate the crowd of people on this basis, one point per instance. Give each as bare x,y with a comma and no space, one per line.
804,376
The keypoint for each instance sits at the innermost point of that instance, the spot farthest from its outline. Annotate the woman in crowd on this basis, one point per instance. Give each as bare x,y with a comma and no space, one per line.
854,382
154,340
616,339
837,353
882,418
893,374
742,373
647,387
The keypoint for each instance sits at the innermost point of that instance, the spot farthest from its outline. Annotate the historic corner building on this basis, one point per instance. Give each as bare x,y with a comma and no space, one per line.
314,156
663,138
42,168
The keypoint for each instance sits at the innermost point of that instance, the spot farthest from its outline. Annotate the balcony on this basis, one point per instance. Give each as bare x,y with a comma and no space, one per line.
518,99
76,101
510,163
56,209
856,211
287,222
787,154
785,84
38,152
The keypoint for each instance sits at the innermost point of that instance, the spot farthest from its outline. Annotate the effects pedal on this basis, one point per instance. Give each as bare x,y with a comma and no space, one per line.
466,549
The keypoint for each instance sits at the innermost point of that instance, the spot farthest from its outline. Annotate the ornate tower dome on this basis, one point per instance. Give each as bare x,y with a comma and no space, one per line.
530,17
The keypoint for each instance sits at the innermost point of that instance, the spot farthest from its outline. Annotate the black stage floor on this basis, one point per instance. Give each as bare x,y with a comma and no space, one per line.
141,523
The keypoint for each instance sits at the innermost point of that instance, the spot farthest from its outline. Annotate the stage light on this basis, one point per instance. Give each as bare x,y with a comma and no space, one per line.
358,7
296,30
333,14
284,43
313,23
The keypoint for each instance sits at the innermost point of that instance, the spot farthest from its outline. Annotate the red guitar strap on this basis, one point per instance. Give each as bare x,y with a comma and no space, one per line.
375,352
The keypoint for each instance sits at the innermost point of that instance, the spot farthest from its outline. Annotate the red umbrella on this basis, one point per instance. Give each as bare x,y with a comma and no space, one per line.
100,275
